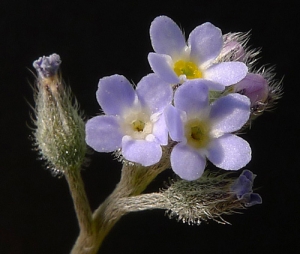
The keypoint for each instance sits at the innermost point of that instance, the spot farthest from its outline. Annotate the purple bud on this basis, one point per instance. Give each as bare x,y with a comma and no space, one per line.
47,66
254,86
235,50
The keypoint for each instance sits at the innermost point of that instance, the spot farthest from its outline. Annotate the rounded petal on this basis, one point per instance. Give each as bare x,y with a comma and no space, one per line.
154,93
166,37
252,199
229,152
227,73
206,42
114,94
162,66
141,151
160,130
241,186
187,162
191,96
229,113
103,133
174,123
248,174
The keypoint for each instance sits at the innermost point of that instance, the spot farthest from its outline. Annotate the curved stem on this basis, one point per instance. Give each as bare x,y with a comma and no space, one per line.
134,180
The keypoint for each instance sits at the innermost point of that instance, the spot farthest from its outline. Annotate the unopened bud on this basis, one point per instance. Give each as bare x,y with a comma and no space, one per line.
235,49
60,131
255,87
210,197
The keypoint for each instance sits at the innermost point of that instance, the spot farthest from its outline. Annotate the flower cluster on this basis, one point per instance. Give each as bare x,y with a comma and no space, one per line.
203,90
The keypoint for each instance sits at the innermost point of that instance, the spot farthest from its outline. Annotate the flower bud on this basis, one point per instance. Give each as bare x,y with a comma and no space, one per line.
59,134
235,49
210,197
255,87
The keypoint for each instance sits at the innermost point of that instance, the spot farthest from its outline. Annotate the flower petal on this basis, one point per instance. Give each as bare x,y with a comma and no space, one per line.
252,199
241,186
160,130
174,123
213,86
187,162
162,66
103,133
249,175
229,113
206,43
141,151
229,152
191,97
166,37
154,93
115,94
227,73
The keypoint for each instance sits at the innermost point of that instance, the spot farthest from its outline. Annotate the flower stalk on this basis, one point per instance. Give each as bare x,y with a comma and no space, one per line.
134,180
203,92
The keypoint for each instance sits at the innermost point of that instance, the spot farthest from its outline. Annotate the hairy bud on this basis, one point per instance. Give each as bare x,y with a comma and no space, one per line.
59,134
210,197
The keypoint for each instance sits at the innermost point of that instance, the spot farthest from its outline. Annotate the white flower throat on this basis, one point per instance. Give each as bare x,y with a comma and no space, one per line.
137,123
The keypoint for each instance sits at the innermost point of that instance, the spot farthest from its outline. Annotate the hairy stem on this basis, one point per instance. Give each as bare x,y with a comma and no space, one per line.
81,204
134,180
143,202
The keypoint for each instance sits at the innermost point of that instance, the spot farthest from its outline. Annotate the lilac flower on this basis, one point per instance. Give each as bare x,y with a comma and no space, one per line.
204,130
176,61
242,188
133,119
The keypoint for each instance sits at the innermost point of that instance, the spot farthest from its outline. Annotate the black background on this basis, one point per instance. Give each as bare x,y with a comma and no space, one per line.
100,38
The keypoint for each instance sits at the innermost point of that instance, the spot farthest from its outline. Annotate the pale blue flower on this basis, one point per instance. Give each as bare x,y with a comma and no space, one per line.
177,61
204,131
242,188
133,119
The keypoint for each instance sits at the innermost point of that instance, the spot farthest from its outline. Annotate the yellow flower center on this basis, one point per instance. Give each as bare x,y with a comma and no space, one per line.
197,133
189,69
138,125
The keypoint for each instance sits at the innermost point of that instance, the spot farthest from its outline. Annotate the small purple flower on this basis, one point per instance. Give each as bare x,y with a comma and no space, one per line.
204,130
177,61
242,188
133,118
254,86
47,66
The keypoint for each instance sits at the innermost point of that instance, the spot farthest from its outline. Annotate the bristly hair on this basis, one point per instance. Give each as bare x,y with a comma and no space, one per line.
208,198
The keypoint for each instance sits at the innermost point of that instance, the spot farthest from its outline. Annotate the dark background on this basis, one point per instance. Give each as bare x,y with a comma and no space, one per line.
100,38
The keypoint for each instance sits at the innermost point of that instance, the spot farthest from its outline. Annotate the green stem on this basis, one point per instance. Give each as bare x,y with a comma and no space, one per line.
81,204
134,180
